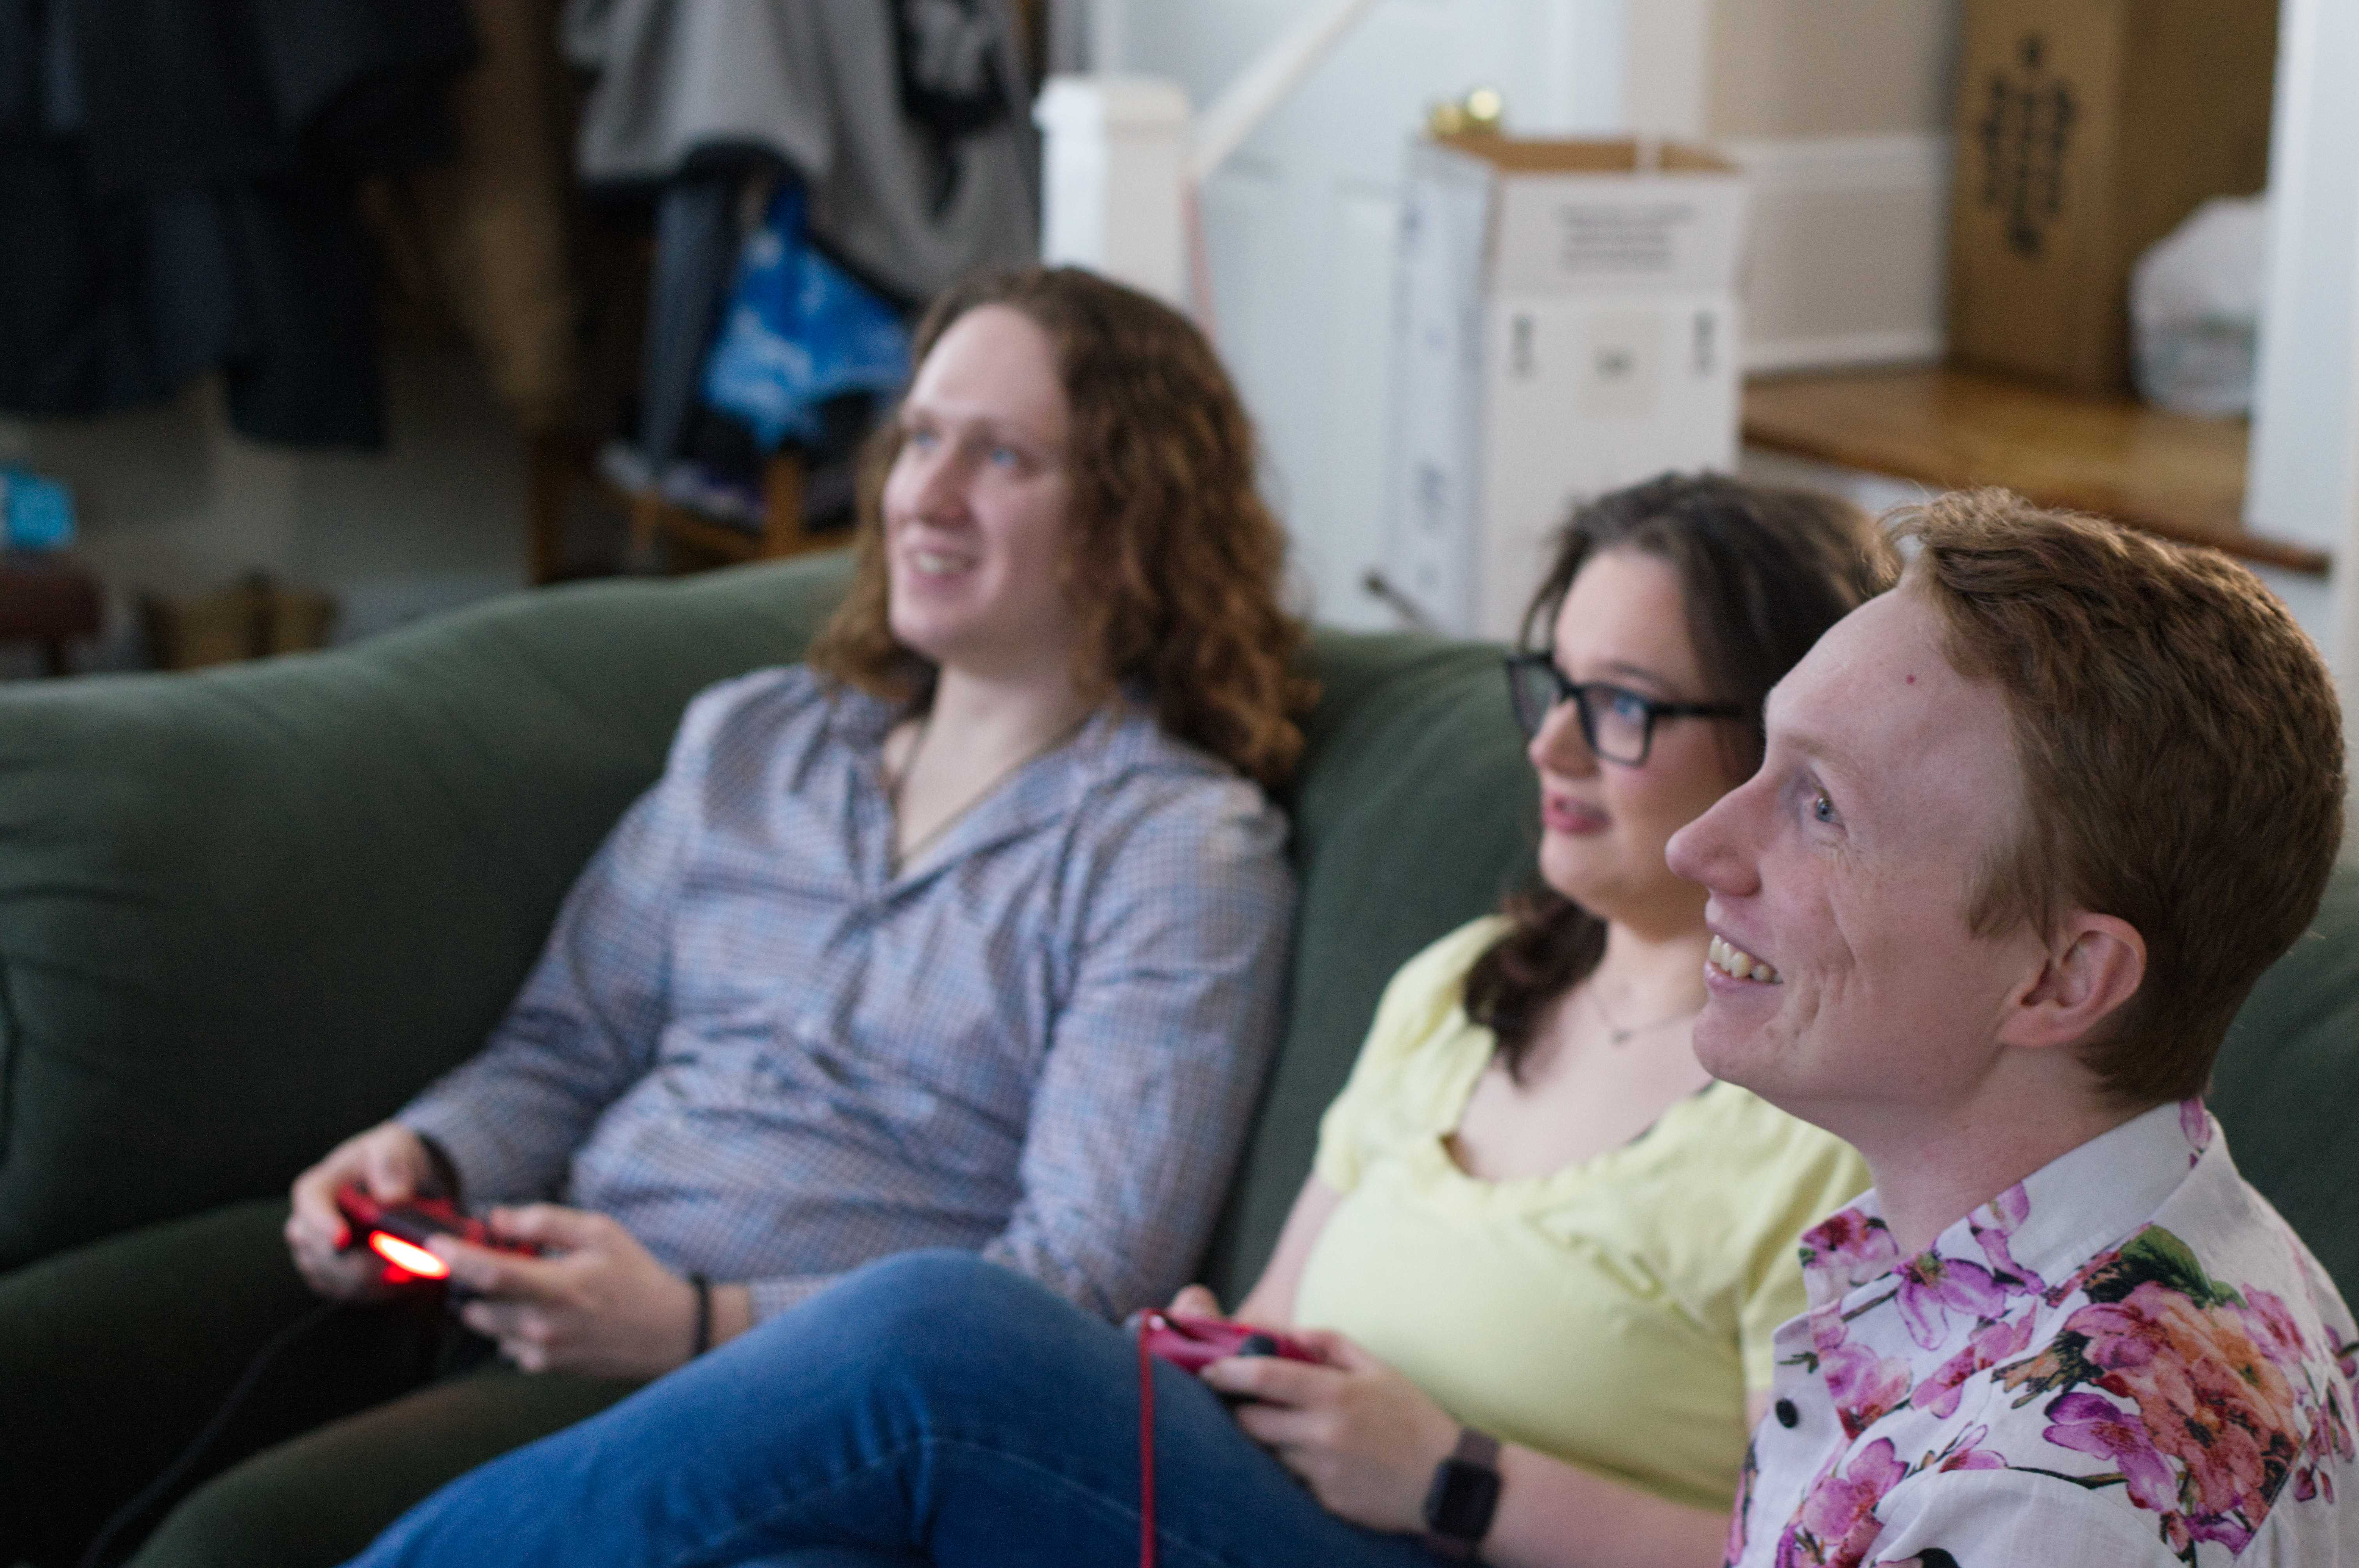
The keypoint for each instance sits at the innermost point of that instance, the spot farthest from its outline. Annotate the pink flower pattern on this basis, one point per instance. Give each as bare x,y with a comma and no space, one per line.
2207,1405
2096,1425
1865,1386
1742,1514
1966,1452
2196,1122
1836,1524
1932,1286
1846,1250
1991,1224
1986,1347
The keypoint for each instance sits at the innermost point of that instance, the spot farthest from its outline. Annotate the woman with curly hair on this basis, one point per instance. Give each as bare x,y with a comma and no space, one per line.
1539,1263
1165,564
969,931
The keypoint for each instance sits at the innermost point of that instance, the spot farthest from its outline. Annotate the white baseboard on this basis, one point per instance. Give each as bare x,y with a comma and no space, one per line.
1898,346
1848,249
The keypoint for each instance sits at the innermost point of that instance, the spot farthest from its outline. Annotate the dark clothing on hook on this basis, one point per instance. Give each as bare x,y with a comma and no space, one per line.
906,202
176,196
696,255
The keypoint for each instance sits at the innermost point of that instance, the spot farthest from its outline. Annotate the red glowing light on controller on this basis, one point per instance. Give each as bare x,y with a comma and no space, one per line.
403,1255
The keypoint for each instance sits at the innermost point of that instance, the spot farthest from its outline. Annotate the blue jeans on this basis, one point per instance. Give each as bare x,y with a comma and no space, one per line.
930,1408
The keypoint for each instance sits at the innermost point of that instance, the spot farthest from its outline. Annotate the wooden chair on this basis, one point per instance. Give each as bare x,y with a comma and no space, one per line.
558,466
782,532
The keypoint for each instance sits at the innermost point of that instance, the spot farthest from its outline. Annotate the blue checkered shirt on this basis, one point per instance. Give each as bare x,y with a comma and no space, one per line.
773,1058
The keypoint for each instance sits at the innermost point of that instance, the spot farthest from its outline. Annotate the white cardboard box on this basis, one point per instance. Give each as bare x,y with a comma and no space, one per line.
1564,324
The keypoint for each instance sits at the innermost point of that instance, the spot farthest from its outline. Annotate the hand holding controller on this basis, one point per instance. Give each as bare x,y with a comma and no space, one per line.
1191,1342
399,1232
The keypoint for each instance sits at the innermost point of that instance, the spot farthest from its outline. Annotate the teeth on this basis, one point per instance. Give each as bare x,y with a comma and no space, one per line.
1739,964
935,564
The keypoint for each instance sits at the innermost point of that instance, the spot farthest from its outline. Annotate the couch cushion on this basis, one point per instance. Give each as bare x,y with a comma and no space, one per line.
2287,1086
247,912
1416,812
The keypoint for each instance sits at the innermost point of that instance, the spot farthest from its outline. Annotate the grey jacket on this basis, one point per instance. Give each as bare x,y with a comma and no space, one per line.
816,83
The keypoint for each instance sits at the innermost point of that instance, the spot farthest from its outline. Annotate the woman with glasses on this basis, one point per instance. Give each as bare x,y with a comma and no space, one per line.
1540,1257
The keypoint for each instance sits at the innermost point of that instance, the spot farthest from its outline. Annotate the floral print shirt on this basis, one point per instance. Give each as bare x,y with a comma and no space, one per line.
2126,1358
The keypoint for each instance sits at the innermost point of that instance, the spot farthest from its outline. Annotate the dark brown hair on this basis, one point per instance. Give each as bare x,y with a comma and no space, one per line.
1763,572
2182,751
1176,566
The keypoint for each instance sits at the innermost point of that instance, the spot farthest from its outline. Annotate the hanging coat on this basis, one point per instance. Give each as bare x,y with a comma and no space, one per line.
481,238
906,121
176,196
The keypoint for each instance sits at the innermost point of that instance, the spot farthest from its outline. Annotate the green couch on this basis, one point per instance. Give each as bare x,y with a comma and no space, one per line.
245,913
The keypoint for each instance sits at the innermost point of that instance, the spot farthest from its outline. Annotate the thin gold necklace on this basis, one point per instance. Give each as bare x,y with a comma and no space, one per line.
1615,1035
905,857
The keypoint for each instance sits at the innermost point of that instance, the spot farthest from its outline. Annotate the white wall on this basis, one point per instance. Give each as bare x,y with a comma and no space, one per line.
1841,110
1838,107
2304,482
1847,254
173,502
1300,222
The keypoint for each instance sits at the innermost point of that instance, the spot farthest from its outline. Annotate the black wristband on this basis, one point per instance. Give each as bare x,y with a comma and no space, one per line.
1464,1494
704,1315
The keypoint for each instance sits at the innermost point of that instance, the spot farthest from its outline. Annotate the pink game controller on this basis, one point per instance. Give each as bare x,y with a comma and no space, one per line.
1192,1343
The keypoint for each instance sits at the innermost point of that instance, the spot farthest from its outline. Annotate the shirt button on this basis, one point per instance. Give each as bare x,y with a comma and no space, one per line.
1788,1416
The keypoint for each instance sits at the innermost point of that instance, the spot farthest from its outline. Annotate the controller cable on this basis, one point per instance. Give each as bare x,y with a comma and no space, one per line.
1146,1442
1140,1325
178,1471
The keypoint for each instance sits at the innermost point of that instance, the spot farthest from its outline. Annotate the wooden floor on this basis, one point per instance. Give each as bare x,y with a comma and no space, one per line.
2177,476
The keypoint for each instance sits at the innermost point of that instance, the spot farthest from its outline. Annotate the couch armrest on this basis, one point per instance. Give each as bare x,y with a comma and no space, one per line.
247,912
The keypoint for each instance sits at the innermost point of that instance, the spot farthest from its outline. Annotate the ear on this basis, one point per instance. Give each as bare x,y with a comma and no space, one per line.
2095,964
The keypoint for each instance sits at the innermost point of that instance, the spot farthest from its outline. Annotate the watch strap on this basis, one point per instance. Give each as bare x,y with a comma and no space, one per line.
1464,1494
1477,1448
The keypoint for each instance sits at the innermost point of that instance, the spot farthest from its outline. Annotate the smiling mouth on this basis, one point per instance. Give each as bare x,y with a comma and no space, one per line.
1737,964
937,563
1575,814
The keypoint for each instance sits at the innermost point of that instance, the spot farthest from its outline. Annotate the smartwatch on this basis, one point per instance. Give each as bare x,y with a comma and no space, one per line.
1464,1494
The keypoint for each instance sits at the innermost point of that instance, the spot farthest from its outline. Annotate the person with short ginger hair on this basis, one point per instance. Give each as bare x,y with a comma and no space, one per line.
2028,830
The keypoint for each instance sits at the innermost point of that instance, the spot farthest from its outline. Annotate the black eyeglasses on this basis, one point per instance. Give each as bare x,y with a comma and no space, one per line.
1618,723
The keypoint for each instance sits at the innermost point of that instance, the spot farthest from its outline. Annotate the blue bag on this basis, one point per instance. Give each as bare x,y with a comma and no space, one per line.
38,513
799,330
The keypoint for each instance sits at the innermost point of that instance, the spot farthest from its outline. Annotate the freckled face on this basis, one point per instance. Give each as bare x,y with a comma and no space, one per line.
1603,825
977,500
1845,865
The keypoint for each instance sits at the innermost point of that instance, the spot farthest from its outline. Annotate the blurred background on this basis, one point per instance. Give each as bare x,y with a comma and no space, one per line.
319,315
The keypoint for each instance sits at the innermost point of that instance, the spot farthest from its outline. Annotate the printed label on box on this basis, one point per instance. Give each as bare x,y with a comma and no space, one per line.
1580,232
1620,364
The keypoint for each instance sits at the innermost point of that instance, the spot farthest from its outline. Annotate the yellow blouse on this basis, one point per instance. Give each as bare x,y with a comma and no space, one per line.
1612,1313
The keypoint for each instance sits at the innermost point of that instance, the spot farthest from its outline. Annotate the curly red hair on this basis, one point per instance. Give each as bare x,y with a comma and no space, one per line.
1176,565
